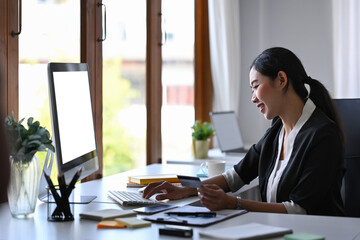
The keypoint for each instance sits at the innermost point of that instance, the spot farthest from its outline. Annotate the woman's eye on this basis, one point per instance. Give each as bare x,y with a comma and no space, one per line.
254,87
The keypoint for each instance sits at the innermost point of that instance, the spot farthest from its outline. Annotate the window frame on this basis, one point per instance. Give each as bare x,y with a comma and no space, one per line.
91,52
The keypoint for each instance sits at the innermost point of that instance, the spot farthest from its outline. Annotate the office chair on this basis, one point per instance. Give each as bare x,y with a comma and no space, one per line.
349,111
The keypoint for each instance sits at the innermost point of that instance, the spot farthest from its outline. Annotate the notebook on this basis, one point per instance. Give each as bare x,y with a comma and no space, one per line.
146,179
133,222
227,132
107,214
246,231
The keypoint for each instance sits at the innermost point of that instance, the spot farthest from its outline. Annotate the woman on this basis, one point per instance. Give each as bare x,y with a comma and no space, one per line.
299,160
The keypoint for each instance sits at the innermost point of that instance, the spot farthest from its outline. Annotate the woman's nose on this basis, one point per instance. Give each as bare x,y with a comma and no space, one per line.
253,98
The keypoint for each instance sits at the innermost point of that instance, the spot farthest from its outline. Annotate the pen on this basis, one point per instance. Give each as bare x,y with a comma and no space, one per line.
64,194
58,200
196,214
73,181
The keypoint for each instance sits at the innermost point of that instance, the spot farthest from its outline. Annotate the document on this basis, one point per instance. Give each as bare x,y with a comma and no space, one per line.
201,216
245,231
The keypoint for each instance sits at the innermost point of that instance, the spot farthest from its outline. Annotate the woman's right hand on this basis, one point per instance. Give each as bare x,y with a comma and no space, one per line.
168,190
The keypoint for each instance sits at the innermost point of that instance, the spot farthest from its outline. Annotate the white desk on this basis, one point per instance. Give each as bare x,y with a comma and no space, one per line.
39,228
250,191
231,159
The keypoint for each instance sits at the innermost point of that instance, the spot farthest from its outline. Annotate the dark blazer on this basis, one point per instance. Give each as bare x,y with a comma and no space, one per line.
313,176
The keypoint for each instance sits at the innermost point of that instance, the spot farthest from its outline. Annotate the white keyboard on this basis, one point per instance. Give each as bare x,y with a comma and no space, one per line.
130,198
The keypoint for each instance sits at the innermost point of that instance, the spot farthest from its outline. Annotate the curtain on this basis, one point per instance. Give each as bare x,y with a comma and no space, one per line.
224,34
224,37
346,22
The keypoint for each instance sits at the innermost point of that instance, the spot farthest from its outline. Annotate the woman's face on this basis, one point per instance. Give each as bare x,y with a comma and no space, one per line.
264,94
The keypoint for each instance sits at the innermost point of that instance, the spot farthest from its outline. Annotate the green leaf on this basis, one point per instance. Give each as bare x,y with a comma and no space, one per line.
34,137
30,121
24,143
202,131
50,146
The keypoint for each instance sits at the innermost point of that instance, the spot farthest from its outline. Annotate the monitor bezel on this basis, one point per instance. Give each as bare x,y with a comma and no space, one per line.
92,155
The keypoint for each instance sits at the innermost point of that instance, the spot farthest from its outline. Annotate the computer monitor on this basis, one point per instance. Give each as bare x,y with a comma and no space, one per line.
227,132
72,119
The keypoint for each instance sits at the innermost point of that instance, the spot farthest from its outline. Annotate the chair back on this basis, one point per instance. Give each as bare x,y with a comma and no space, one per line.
349,111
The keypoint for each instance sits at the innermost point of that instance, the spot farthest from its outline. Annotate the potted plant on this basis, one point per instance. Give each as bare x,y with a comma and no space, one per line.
24,181
202,132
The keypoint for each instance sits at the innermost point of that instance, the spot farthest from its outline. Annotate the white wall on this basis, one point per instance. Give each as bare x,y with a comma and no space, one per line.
305,27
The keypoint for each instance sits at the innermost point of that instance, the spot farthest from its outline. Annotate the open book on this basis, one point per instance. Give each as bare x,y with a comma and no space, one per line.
245,231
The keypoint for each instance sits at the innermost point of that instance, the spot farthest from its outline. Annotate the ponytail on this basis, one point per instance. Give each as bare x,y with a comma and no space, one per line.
321,98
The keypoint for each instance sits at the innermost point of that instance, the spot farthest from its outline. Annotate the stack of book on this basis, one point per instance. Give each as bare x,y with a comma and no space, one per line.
143,180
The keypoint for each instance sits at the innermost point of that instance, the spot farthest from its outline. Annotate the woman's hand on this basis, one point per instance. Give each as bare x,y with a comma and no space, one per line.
169,191
214,198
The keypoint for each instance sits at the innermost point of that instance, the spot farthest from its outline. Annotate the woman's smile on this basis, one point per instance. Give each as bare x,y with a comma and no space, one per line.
261,106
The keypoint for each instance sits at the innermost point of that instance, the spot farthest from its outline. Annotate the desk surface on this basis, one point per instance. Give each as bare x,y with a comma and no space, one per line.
40,228
231,159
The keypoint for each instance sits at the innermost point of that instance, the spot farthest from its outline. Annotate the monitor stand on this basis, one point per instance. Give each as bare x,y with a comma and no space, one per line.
83,199
43,193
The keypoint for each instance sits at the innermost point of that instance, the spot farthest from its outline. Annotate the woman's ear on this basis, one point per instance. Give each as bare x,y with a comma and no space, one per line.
282,79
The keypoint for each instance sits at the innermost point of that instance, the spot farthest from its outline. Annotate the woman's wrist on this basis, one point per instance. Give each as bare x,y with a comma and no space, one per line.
232,202
189,192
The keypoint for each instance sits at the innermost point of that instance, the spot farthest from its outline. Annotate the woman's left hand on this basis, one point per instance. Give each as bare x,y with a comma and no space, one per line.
213,197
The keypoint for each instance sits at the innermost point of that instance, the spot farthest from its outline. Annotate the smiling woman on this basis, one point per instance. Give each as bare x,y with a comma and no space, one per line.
298,161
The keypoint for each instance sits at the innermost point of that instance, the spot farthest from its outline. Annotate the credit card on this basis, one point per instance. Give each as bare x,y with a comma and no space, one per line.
189,181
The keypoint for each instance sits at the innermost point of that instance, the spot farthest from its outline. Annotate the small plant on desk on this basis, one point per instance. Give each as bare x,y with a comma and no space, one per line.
202,132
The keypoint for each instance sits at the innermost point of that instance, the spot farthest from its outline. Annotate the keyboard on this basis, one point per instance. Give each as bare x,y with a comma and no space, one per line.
126,198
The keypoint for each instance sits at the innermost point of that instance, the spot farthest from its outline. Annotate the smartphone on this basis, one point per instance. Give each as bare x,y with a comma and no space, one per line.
180,231
153,208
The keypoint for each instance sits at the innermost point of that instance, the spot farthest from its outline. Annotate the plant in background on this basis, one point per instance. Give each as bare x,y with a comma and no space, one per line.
202,131
24,143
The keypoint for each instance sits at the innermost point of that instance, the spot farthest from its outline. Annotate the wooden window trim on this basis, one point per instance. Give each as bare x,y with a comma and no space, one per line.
153,81
8,71
91,53
9,55
203,82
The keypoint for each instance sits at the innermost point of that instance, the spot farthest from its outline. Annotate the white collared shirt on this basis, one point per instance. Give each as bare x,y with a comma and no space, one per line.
281,164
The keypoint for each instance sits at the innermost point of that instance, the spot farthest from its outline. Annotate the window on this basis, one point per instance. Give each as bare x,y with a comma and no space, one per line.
177,78
124,111
47,19
50,33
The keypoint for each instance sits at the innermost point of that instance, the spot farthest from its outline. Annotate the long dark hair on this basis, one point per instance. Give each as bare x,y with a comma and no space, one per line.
276,59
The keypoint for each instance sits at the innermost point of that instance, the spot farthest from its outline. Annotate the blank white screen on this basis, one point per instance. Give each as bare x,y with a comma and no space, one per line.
73,102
